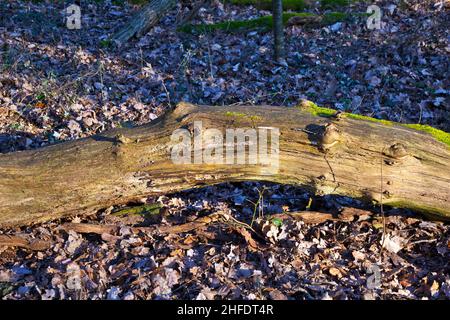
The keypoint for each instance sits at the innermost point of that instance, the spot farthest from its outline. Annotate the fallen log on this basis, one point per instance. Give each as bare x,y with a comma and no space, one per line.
143,20
339,154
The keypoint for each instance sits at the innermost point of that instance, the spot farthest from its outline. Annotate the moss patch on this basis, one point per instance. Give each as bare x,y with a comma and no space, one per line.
315,110
296,5
335,3
262,23
436,133
253,118
235,114
334,17
144,210
106,43
439,135
366,118
430,212
138,2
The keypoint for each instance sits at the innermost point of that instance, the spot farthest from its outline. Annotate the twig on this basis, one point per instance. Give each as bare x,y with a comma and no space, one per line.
258,205
332,173
22,242
186,227
381,203
90,228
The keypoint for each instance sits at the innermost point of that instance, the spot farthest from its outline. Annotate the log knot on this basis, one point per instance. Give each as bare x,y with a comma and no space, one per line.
396,151
330,136
120,138
339,115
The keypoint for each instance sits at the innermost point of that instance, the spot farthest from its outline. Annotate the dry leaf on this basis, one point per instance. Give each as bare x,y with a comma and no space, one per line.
335,272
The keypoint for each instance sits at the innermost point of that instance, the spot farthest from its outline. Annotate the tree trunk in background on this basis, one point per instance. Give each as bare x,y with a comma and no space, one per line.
278,32
124,165
143,20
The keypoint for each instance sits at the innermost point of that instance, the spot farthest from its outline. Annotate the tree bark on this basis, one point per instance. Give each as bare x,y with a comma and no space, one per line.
338,155
278,31
143,20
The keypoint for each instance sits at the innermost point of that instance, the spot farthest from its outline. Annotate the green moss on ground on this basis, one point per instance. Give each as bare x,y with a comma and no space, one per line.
138,2
333,17
106,43
315,110
296,5
335,3
113,2
262,23
144,210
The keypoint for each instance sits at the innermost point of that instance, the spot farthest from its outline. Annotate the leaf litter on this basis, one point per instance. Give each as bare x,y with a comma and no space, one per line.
56,85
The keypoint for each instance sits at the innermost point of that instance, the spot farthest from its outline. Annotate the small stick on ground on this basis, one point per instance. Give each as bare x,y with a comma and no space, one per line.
23,242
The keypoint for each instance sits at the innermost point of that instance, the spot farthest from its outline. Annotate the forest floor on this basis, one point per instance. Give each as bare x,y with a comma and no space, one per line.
58,84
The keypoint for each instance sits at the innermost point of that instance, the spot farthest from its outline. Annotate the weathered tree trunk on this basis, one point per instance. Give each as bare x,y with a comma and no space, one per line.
338,155
143,20
278,29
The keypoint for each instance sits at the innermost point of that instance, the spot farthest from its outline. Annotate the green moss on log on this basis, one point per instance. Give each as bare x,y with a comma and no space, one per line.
367,118
315,110
235,114
253,118
439,135
436,133
261,23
